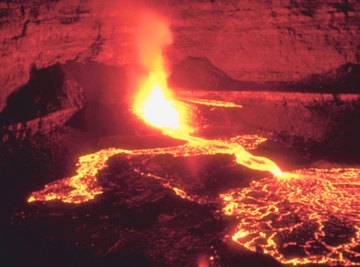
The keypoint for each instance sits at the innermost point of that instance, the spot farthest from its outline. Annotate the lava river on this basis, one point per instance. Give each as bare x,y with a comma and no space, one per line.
297,217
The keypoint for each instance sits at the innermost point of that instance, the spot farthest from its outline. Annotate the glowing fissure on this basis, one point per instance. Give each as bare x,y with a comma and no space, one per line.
295,216
272,212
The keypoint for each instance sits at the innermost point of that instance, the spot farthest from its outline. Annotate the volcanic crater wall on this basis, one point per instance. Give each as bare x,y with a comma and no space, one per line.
249,40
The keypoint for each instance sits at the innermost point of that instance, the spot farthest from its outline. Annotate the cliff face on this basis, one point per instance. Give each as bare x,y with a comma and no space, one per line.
47,101
270,40
37,34
253,41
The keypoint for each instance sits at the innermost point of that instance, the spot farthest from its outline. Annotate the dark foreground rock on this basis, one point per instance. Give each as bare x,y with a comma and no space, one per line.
136,221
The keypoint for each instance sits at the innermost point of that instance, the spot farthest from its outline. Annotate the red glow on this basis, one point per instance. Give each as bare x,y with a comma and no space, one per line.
276,205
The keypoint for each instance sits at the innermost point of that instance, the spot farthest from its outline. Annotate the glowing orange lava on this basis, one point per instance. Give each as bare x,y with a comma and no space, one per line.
312,218
286,215
212,103
157,107
84,185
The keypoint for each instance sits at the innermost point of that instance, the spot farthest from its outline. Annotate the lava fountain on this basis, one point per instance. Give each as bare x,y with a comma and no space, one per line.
156,105
268,212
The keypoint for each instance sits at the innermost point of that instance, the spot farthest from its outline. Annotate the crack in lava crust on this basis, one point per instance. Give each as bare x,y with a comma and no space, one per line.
312,218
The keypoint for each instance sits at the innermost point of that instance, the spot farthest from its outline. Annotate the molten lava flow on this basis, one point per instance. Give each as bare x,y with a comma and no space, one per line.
212,103
84,185
310,219
284,214
157,107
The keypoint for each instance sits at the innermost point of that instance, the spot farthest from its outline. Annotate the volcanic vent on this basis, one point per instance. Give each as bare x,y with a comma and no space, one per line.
162,175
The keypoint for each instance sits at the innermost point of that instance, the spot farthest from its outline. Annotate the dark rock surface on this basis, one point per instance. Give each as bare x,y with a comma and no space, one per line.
47,101
200,73
345,79
137,221
85,96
